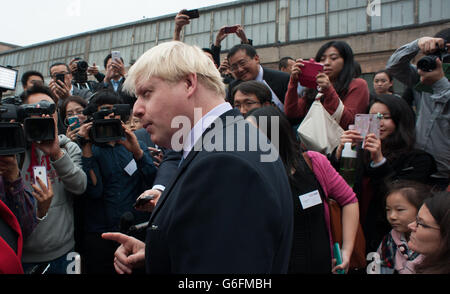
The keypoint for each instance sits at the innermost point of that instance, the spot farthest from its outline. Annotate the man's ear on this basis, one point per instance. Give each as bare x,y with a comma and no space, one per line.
191,83
257,58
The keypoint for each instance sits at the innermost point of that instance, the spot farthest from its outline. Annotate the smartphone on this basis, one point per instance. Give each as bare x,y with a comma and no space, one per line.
73,119
60,77
115,55
41,173
230,30
309,72
143,200
337,255
192,13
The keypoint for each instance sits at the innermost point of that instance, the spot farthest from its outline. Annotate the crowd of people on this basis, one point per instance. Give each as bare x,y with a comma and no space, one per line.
132,202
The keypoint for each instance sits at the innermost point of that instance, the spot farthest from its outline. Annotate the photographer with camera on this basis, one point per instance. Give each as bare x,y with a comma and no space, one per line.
115,77
60,159
433,110
61,83
118,171
80,70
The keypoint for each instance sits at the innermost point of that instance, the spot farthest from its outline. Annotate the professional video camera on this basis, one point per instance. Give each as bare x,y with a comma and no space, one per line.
106,130
428,63
37,129
11,133
80,75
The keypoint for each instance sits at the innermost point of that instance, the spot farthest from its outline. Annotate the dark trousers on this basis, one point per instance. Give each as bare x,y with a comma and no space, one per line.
98,257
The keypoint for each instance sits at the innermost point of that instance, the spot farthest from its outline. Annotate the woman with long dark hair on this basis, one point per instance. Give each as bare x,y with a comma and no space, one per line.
336,82
312,243
391,156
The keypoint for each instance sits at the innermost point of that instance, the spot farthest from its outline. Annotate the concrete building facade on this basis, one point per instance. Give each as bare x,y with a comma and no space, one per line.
278,28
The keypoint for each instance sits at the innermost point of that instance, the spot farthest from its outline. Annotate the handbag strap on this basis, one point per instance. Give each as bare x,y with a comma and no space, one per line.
337,115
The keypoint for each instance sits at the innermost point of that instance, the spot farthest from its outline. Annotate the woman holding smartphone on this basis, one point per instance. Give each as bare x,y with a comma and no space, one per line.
71,111
389,157
336,83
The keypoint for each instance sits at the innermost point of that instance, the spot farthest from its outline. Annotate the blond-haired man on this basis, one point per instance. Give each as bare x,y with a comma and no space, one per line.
225,210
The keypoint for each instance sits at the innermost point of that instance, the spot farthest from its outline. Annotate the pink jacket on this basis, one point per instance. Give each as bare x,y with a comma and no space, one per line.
333,185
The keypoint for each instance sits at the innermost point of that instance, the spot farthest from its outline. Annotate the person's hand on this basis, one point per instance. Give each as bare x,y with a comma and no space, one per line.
181,20
241,34
43,195
224,67
72,134
52,147
131,143
118,67
429,45
431,77
373,145
323,81
150,205
344,265
297,69
92,70
73,65
59,89
9,168
221,35
349,136
129,255
84,129
157,155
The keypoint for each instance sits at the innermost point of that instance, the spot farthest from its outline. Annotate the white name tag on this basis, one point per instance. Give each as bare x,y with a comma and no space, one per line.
310,199
131,167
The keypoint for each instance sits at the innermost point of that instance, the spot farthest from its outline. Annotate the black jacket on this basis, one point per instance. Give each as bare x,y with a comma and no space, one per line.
224,212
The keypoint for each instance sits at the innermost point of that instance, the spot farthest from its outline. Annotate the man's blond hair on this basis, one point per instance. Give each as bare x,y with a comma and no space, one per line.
172,62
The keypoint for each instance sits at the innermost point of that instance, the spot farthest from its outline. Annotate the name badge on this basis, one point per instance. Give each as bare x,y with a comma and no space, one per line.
310,199
131,167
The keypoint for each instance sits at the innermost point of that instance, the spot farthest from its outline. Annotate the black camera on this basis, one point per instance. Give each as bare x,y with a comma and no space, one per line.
11,133
80,75
37,129
107,130
15,100
428,63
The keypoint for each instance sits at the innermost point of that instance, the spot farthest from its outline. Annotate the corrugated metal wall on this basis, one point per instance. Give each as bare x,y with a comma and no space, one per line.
266,22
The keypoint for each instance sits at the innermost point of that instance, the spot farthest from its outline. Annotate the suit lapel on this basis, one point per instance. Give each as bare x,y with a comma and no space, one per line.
184,165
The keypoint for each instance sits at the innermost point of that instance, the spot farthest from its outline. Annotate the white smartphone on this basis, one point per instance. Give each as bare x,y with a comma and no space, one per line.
115,55
41,173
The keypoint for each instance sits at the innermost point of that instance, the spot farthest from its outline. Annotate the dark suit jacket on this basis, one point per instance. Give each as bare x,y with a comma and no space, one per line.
168,166
277,80
223,212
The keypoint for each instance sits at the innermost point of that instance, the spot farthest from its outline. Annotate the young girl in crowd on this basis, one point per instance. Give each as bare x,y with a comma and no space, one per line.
390,157
383,83
312,246
403,201
430,234
336,82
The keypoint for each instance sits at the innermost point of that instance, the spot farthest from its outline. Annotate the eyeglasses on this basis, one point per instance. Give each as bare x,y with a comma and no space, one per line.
246,104
59,73
383,116
419,223
240,63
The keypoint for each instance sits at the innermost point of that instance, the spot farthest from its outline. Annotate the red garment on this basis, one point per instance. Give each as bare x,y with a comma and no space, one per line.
10,262
355,101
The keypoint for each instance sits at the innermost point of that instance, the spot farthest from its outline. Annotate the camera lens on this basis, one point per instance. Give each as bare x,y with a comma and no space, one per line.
82,65
427,63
